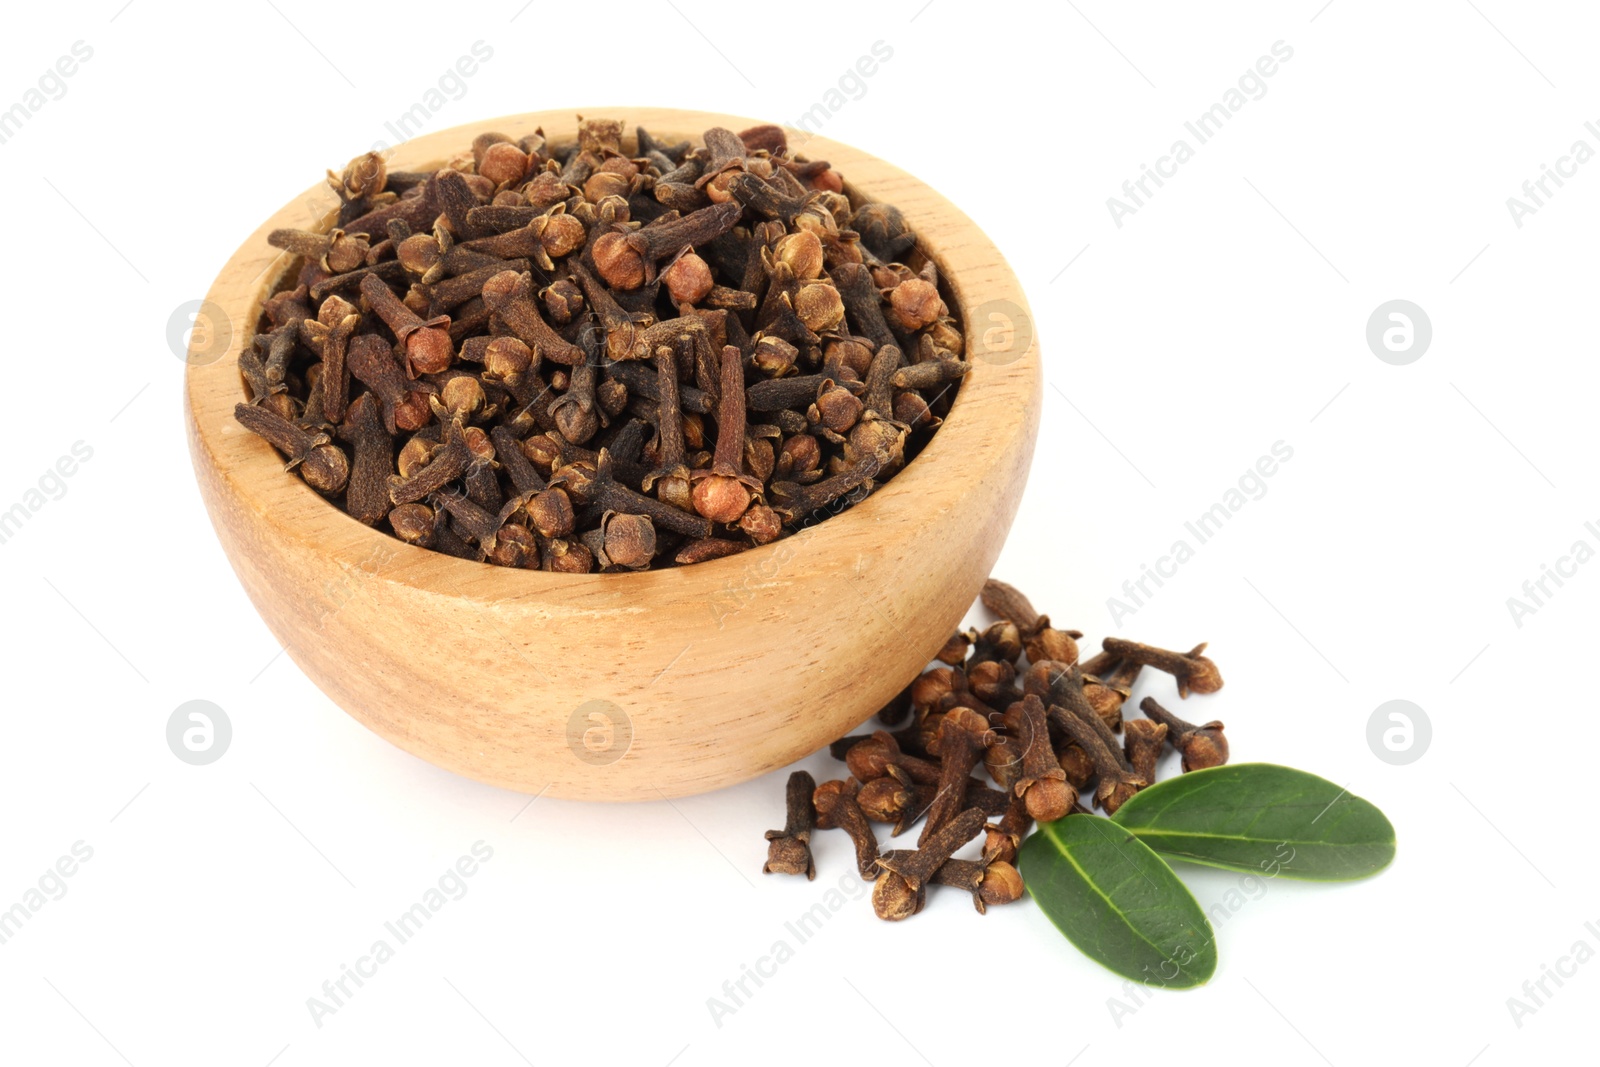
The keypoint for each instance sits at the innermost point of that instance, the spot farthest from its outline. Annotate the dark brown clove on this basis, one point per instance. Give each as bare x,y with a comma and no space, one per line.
1043,785
1114,783
901,890
872,758
789,849
1107,693
1192,671
1202,746
723,493
1003,838
841,810
427,344
991,881
510,296
404,404
447,464
1041,641
1143,741
322,465
626,260
367,495
959,752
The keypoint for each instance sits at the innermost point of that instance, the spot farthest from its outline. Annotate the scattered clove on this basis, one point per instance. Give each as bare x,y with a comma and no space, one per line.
1143,741
1202,746
789,849
841,810
1055,738
1115,783
901,890
1192,671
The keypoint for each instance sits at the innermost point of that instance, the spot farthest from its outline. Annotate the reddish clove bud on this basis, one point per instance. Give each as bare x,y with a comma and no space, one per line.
427,344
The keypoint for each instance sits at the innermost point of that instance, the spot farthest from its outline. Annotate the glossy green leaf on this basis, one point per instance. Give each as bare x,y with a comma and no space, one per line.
1264,819
1118,902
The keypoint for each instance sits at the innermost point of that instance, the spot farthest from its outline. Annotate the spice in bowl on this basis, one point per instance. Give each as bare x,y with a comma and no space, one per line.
587,357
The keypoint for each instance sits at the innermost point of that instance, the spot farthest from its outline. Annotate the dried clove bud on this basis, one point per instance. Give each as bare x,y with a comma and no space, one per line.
1041,641
901,890
959,751
873,757
898,800
1202,746
1115,783
789,849
1106,694
367,496
1191,670
991,881
1043,785
322,465
843,812
1143,741
1002,839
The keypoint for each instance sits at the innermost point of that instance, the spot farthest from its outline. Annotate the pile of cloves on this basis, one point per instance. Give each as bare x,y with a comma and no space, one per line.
599,355
1013,704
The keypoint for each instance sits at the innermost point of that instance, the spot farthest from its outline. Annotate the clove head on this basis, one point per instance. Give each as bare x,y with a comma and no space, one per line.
789,855
1049,797
1002,883
1050,643
826,795
894,898
1203,676
515,546
954,652
630,540
325,468
619,262
931,687
993,681
688,279
1204,747
886,799
721,499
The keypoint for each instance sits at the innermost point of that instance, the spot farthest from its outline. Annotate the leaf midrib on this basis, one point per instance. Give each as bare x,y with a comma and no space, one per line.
1143,833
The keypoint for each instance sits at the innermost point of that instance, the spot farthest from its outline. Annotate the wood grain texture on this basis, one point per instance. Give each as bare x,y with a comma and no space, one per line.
701,676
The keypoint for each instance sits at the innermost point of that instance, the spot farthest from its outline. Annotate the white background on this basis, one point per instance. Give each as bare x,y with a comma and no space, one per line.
1227,314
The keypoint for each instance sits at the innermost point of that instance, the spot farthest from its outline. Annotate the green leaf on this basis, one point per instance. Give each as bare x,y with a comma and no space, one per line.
1263,819
1118,902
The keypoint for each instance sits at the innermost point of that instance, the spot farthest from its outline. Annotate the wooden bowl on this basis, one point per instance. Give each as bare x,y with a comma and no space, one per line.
629,686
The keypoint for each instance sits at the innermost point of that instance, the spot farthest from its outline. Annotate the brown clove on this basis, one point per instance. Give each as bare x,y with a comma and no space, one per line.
1202,746
789,849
